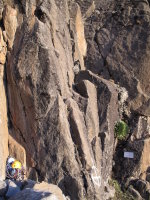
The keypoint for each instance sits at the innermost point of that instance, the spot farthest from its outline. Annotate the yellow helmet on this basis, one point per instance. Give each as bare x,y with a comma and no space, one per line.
16,165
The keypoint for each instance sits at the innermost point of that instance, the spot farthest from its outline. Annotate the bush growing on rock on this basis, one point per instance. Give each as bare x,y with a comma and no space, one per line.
121,130
119,194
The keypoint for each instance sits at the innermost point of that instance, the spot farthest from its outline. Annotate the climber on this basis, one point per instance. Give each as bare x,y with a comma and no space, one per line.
14,169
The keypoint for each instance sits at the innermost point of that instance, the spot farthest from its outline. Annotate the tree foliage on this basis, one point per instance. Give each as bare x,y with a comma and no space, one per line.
121,130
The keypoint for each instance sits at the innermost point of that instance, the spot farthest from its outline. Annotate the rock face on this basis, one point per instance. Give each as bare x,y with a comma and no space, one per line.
3,188
40,191
3,125
137,166
67,132
79,46
28,189
3,48
12,190
118,47
10,24
66,61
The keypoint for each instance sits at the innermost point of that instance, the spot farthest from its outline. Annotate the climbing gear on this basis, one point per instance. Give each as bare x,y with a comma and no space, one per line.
16,165
14,169
10,160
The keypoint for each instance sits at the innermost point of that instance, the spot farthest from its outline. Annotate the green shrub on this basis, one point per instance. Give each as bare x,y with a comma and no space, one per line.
121,130
119,194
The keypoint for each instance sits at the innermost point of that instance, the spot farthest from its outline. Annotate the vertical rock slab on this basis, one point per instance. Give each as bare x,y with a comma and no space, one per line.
77,30
107,103
10,24
3,104
79,24
89,169
145,158
88,90
3,48
3,125
79,134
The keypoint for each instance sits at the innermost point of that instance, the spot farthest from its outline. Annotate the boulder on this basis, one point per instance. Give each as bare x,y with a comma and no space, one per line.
28,184
40,191
13,189
142,187
134,193
3,188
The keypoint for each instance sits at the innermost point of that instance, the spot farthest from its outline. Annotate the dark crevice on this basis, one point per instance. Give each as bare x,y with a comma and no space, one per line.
2,24
85,182
23,105
102,137
69,186
68,80
40,174
40,15
20,6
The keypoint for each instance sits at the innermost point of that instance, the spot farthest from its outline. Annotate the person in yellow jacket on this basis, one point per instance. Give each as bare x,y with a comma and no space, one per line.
14,169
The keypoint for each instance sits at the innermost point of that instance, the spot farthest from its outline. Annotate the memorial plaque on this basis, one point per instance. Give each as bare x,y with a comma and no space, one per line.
128,155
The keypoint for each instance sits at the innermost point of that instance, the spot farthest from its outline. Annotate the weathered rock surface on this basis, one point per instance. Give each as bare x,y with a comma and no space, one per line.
61,119
79,46
142,128
148,177
52,125
10,24
13,188
134,193
107,97
3,48
3,125
3,188
137,166
40,191
28,189
118,46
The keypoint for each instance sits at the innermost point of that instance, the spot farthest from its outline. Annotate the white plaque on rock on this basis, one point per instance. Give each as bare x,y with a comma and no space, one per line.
128,155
